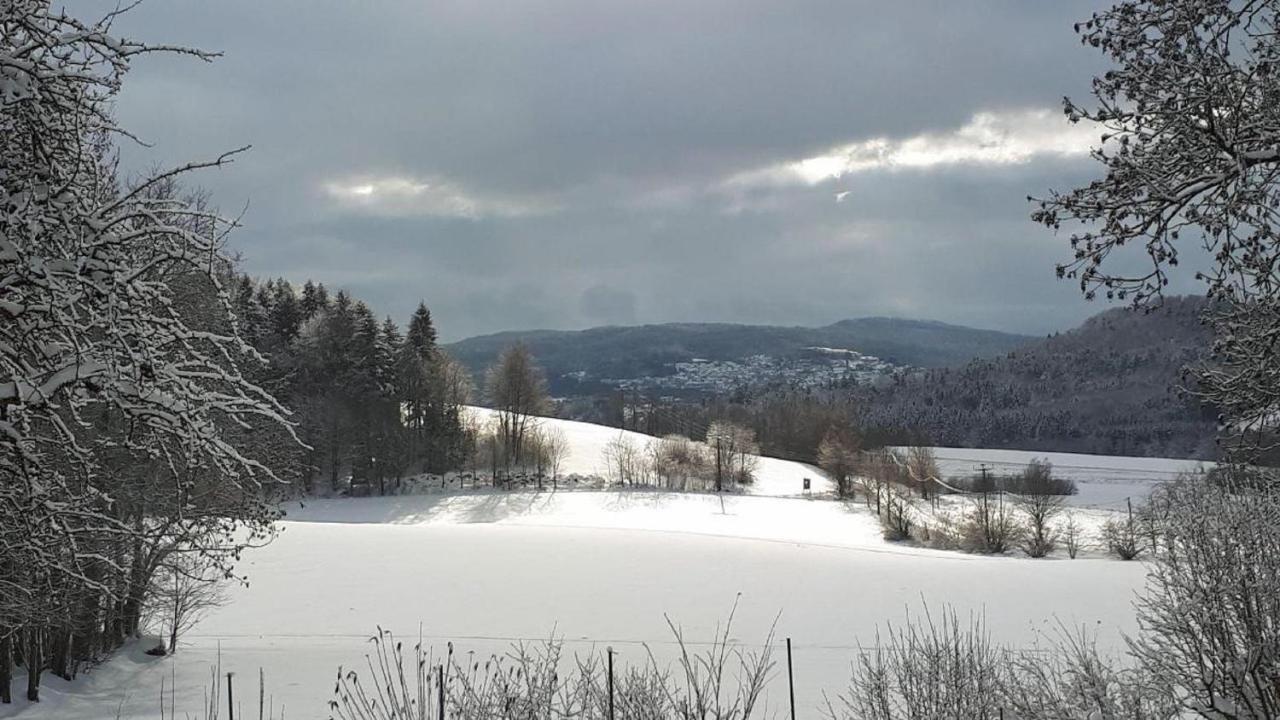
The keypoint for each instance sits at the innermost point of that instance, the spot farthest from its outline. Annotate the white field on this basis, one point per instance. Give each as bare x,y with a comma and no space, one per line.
1103,481
598,568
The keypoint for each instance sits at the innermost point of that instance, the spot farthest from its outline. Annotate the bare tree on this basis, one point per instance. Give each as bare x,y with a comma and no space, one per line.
1072,535
734,453
879,470
535,453
183,590
556,446
625,461
456,386
990,526
517,389
922,467
897,501
838,456
1040,505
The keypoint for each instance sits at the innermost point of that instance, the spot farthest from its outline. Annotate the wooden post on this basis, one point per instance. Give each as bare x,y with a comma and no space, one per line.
791,683
262,692
609,652
231,708
440,691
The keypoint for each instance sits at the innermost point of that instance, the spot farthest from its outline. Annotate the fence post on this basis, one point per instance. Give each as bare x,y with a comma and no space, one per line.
791,684
609,652
440,690
262,691
231,708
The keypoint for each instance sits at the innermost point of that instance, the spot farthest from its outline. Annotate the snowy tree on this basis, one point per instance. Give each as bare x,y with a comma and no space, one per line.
1208,616
102,361
1191,149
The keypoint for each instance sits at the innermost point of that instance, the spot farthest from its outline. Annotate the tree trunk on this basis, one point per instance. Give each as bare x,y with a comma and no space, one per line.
60,653
34,657
6,669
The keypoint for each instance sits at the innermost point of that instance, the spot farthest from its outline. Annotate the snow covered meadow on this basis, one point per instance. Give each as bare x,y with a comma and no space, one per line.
484,569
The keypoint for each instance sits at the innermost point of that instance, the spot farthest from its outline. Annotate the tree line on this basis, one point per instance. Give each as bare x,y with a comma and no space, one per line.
371,403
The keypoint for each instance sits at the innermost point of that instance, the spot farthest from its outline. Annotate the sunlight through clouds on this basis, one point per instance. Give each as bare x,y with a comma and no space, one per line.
987,139
402,196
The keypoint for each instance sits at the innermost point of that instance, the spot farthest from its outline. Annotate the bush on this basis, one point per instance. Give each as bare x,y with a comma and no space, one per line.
1208,618
948,669
1072,535
897,514
1123,537
529,682
990,526
680,463
940,669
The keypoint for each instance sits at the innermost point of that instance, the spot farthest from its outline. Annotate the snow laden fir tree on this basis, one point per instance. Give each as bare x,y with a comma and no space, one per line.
130,438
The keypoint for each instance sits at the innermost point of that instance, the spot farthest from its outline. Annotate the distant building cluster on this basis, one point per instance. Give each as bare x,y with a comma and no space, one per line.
812,367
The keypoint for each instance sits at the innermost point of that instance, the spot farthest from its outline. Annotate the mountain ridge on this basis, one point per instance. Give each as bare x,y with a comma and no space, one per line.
630,351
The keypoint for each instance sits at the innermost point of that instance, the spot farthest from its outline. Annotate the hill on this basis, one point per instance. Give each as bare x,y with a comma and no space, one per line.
1108,386
486,569
583,362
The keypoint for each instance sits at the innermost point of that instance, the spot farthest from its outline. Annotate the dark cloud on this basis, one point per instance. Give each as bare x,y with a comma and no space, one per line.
564,164
602,305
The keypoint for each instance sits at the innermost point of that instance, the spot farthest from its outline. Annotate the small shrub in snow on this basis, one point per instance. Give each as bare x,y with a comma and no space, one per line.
1123,536
626,462
946,669
530,682
1072,680
1039,507
990,526
930,669
898,513
1072,535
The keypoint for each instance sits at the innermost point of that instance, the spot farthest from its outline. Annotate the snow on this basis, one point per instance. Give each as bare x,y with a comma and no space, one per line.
587,443
1103,481
599,568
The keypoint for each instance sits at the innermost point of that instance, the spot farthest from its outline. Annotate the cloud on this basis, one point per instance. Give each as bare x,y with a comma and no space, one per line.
603,305
989,138
499,160
406,196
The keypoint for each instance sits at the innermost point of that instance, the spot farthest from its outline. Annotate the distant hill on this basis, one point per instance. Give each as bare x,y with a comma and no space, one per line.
1105,387
652,350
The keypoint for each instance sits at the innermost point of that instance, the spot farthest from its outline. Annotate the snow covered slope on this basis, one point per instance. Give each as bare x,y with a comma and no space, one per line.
599,568
587,443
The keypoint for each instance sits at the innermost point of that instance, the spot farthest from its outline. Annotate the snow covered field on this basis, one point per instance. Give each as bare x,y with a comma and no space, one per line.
1103,481
599,568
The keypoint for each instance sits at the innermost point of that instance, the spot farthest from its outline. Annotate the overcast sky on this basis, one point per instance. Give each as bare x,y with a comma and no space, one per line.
567,164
